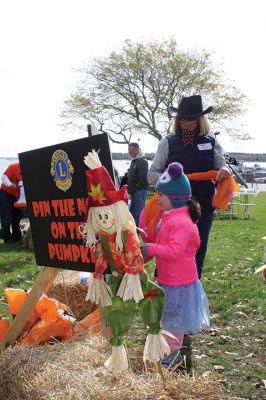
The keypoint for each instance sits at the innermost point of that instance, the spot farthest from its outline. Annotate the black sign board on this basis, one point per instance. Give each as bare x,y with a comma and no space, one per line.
55,188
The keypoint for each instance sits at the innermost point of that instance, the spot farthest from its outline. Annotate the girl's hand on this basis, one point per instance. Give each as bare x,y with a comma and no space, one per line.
145,251
222,173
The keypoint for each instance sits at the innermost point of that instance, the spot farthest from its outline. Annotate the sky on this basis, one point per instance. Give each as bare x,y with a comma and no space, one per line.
43,42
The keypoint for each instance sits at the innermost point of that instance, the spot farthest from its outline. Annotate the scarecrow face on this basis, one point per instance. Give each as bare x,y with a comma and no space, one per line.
105,220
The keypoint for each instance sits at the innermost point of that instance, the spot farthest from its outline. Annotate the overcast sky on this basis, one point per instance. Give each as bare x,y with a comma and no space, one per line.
43,41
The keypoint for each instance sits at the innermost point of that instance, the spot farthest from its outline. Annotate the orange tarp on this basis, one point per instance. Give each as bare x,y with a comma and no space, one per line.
50,319
15,299
91,323
4,326
47,329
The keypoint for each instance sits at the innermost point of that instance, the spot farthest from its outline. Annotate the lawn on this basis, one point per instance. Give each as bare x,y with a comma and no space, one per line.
232,351
238,306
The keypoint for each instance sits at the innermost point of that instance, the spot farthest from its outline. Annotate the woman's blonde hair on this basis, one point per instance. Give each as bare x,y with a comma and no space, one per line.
123,220
204,125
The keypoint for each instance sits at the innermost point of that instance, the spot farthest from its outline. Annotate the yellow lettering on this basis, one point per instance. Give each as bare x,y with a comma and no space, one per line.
61,172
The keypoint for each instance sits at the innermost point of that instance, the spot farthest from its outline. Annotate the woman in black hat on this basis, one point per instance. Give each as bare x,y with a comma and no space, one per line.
194,146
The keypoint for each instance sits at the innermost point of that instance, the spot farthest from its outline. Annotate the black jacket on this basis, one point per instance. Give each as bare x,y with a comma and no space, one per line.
196,158
137,175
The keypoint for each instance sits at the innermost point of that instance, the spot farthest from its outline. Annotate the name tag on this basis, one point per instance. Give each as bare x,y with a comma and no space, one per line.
205,146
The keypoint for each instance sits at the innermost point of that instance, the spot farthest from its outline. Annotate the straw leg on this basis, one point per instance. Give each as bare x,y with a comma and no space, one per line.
160,371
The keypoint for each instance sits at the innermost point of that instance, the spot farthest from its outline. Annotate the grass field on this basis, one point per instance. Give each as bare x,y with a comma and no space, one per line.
238,306
233,351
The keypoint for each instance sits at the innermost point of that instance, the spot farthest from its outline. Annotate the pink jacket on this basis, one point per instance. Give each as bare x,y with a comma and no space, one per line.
175,248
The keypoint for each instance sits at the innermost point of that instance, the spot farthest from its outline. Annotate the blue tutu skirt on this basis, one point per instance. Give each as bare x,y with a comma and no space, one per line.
186,308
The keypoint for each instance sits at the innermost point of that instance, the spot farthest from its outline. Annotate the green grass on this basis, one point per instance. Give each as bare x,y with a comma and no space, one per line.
237,303
17,270
236,340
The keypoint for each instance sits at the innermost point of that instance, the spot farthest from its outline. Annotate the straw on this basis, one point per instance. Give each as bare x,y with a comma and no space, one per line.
69,291
75,371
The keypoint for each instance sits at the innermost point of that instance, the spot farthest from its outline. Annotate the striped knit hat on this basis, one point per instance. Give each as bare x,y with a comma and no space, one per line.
175,185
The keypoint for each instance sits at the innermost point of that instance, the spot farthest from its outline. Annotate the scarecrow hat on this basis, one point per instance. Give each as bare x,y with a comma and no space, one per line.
189,107
100,187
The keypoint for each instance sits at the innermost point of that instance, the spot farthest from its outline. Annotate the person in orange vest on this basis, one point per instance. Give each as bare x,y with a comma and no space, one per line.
9,193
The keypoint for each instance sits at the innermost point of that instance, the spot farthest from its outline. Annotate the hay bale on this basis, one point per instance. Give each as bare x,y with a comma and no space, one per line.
75,371
67,289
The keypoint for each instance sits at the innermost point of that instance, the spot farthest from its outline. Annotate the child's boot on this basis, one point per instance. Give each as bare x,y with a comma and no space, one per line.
174,360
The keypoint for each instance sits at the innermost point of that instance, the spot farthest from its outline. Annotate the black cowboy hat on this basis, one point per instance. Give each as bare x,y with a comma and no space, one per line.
189,107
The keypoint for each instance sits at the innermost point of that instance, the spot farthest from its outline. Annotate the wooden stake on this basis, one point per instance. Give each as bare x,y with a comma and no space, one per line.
41,285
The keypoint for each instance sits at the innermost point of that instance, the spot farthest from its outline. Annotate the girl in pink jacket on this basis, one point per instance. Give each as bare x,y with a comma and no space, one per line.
186,308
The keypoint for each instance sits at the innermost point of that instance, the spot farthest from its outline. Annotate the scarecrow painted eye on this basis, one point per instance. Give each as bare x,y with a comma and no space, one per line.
106,216
165,177
100,217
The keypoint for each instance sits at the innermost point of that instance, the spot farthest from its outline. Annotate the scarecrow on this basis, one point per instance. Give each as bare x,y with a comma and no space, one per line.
110,232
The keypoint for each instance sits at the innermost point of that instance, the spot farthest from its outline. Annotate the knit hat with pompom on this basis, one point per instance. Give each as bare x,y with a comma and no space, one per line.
175,184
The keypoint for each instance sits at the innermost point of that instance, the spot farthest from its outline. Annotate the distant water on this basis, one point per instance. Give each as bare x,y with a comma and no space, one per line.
121,165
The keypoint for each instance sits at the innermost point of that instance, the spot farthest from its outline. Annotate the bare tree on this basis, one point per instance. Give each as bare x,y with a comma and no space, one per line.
129,91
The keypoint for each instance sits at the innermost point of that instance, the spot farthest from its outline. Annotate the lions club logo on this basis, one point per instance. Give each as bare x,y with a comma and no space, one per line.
62,170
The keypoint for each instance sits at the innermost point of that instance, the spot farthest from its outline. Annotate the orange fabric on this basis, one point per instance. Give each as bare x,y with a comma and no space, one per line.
150,218
91,323
224,193
224,190
45,330
13,172
53,323
203,176
48,320
4,326
15,299
49,308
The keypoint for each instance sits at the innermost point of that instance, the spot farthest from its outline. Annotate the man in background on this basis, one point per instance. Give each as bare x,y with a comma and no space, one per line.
9,193
137,181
